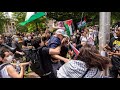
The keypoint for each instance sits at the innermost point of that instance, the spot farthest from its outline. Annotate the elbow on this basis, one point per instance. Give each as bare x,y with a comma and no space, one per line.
57,52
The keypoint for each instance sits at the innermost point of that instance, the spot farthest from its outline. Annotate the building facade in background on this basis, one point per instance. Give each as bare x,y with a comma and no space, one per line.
9,26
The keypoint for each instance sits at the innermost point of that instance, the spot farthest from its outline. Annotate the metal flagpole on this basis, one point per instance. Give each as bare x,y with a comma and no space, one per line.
81,19
82,16
36,23
104,32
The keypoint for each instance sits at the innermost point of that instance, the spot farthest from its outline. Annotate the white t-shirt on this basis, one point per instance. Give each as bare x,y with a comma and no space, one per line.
83,39
90,38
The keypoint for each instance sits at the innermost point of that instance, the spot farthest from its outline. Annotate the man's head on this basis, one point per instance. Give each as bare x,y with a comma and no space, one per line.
60,24
60,33
118,32
5,55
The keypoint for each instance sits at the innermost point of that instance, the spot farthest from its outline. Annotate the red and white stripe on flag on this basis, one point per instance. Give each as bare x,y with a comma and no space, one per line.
74,49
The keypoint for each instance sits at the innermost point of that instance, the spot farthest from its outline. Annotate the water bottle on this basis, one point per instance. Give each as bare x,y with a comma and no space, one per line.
18,67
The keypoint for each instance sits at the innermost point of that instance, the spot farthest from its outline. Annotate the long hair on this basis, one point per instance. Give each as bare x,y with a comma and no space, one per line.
90,55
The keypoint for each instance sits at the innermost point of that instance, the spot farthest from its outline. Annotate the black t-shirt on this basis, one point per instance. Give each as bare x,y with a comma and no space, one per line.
18,48
77,39
27,43
114,44
63,52
46,59
8,40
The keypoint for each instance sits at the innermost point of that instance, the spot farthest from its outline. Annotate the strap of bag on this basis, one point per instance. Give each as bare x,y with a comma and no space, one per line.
85,73
2,66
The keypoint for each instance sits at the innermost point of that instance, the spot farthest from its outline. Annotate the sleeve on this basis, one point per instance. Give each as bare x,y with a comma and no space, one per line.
111,43
54,43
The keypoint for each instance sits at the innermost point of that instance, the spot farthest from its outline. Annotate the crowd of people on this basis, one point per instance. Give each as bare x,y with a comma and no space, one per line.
50,55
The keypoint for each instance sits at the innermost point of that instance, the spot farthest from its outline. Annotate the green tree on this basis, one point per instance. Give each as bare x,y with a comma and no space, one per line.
30,27
115,17
40,23
19,17
3,20
76,16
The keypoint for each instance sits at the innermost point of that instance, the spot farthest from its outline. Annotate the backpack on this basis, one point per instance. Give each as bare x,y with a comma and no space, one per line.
36,60
2,66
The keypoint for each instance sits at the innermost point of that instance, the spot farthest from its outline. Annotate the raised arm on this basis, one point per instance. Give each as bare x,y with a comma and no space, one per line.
55,51
60,58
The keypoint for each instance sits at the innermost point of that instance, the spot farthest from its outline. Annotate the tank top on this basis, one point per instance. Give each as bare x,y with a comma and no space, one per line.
4,72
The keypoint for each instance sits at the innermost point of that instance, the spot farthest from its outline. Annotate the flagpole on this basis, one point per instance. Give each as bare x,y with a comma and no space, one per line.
46,19
36,23
81,19
82,16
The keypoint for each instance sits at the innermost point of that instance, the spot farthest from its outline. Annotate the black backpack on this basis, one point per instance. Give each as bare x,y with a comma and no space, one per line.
35,57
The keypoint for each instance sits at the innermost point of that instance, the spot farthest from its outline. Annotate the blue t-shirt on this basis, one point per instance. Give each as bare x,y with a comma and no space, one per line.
54,42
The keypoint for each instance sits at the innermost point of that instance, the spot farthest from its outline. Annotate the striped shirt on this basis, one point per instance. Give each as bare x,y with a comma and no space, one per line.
76,69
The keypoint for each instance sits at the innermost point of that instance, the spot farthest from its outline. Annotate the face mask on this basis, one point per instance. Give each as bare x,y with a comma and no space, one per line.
16,39
74,37
25,38
29,37
9,58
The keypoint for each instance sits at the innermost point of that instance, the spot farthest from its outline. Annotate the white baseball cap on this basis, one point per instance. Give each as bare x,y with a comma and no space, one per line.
61,31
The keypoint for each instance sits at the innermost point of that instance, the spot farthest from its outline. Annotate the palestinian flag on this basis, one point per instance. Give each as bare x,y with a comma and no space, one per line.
68,26
82,23
31,16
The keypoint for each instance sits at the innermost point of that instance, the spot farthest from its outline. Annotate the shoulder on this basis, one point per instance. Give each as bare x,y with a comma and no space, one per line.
9,66
72,69
43,49
75,64
112,39
55,38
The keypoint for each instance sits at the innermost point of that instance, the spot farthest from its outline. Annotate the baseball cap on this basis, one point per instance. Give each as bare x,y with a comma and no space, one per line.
61,31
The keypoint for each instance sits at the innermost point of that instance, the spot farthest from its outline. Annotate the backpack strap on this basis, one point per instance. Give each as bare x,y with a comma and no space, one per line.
3,65
85,73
